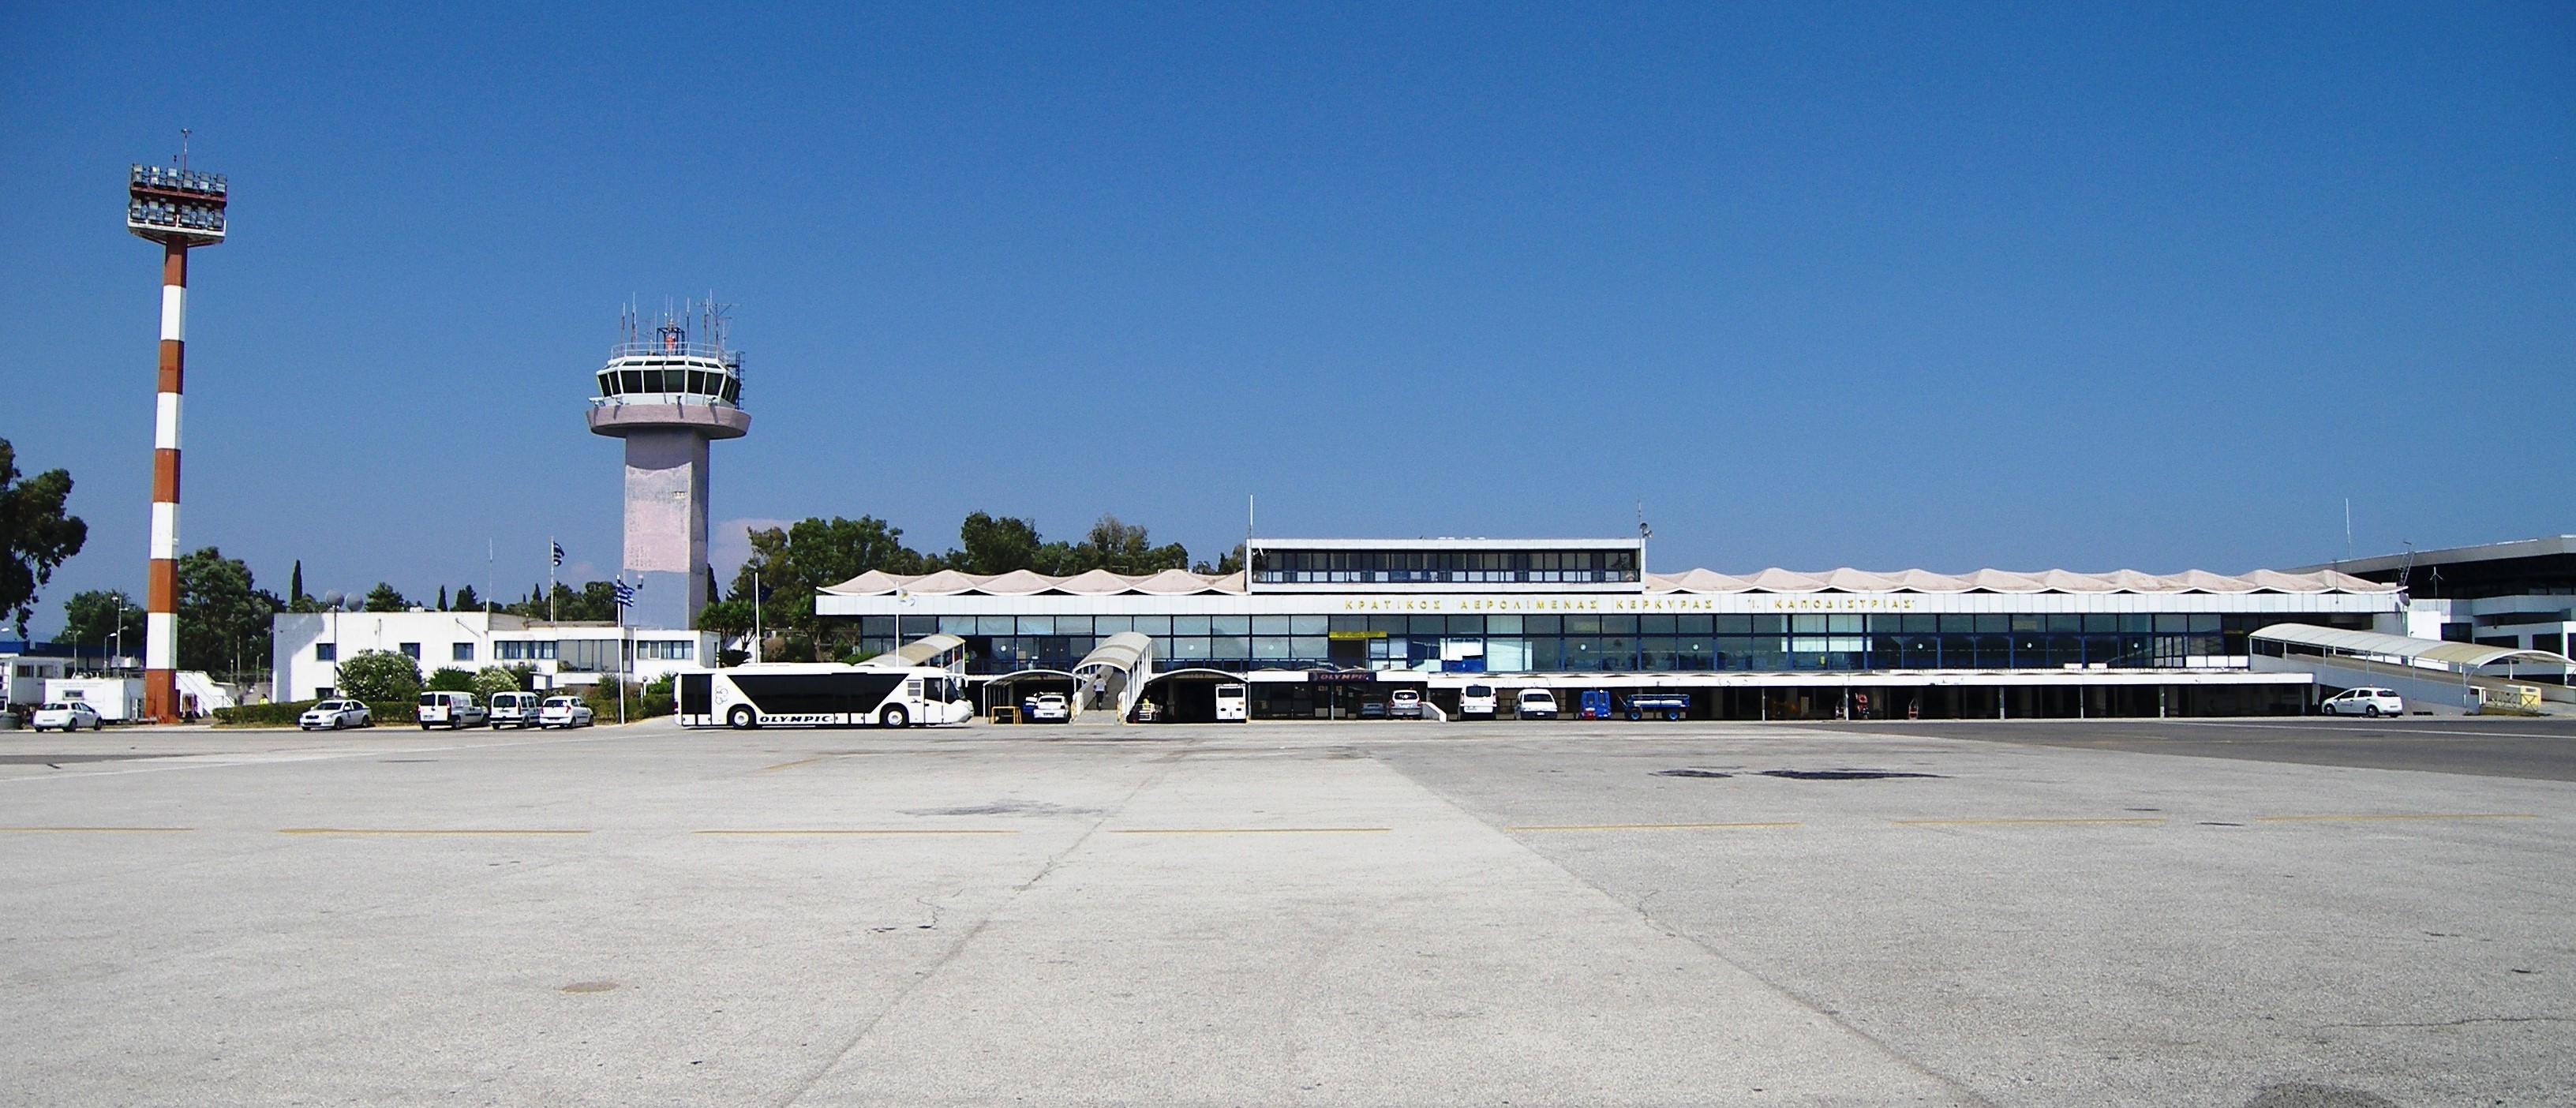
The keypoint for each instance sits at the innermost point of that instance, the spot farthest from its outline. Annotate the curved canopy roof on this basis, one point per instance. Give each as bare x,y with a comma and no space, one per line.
1120,651
1175,582
918,652
2458,655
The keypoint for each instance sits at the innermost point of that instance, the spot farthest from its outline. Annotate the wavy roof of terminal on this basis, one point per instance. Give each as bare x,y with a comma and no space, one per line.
1175,582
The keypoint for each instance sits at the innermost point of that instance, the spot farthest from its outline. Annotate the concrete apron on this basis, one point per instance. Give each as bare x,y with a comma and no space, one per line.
1209,942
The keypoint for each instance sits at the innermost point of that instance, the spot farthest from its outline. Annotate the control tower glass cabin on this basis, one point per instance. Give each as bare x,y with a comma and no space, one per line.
668,396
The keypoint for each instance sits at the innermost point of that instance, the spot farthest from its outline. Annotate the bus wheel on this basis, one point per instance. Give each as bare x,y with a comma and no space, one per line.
742,718
894,717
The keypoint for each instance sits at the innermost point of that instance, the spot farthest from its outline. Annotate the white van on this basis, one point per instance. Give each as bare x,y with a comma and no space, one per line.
451,710
1536,704
1231,705
513,709
1476,701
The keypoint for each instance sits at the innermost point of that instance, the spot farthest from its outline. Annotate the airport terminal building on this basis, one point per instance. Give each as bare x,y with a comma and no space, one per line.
1316,627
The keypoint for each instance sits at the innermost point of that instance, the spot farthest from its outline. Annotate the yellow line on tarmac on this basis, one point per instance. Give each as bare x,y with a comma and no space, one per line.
796,763
1655,826
857,831
425,831
2396,815
1249,830
2011,822
45,830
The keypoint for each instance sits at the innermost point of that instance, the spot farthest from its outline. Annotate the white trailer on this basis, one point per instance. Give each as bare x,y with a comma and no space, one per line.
118,699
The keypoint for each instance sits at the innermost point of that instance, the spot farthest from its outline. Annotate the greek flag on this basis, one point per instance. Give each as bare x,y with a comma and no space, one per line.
625,594
558,551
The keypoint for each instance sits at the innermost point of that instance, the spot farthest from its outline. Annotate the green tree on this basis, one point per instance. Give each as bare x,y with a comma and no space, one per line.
442,606
1120,547
993,546
1230,562
384,598
596,602
94,616
223,615
377,676
35,533
449,679
796,562
466,601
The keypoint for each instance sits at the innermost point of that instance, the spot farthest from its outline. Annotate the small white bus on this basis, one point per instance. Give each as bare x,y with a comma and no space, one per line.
820,694
1231,706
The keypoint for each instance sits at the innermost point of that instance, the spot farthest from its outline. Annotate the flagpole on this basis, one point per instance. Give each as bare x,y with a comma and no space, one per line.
755,615
554,557
624,651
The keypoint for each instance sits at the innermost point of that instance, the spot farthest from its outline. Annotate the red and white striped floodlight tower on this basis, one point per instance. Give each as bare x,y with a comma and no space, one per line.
178,208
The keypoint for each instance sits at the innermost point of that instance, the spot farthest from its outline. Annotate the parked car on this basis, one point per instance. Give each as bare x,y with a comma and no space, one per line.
1372,709
1404,704
563,711
450,710
1048,707
67,716
1658,705
1535,704
1477,701
336,714
513,709
2364,702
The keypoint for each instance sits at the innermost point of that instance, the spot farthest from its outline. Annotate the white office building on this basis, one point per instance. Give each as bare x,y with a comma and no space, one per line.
309,646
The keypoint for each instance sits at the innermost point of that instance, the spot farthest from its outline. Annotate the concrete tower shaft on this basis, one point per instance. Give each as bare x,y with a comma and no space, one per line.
668,397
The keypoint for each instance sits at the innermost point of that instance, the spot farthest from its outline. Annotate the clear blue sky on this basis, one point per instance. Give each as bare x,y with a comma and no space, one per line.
1882,287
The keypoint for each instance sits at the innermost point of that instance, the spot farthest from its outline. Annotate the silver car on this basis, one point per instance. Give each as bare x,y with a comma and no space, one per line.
333,715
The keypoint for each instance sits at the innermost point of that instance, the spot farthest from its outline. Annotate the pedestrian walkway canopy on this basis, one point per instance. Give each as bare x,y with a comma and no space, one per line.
1113,675
2457,657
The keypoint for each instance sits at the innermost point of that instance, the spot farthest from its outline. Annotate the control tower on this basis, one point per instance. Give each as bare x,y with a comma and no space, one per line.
668,394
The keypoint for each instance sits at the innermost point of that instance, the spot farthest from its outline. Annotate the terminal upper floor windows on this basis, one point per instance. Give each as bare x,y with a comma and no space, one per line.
1444,566
461,652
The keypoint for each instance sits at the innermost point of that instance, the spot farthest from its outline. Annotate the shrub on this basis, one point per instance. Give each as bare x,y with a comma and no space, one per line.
380,675
450,679
654,700
501,679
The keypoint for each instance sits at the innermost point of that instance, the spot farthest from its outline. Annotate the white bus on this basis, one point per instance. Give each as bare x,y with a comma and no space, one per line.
820,694
1231,705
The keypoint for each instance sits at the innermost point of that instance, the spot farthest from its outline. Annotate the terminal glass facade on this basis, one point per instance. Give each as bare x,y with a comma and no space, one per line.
1605,643
1442,566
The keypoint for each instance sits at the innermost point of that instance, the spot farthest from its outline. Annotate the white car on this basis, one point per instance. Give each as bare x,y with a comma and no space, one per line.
1536,704
336,714
1404,704
68,715
1476,701
563,711
1051,706
2364,702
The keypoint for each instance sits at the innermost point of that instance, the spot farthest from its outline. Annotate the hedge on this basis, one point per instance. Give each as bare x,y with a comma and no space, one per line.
283,713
